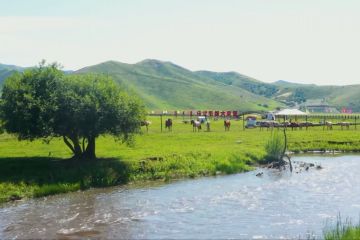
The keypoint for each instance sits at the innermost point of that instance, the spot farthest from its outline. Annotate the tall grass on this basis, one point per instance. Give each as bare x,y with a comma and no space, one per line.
343,230
274,147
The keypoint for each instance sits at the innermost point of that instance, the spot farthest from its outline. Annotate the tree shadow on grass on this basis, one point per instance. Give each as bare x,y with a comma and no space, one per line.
47,170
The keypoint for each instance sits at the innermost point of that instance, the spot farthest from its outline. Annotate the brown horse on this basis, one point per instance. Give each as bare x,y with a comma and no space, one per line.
146,124
266,124
168,124
295,125
227,125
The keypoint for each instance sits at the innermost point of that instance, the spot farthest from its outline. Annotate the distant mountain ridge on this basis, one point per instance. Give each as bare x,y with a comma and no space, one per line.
165,85
7,70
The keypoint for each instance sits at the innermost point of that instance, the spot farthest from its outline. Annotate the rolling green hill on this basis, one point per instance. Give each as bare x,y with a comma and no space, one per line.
339,96
164,85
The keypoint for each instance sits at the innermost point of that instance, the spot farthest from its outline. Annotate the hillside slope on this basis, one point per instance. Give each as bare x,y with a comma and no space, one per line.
339,96
164,85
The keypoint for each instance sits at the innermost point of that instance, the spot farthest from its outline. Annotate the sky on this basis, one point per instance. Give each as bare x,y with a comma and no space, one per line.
304,41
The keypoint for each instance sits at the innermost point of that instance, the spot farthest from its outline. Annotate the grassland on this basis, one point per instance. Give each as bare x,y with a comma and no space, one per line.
34,169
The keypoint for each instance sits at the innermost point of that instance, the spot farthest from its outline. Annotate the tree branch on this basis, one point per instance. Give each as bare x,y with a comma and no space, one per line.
68,144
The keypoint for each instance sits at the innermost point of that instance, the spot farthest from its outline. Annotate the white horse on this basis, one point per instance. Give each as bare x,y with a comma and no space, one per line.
196,125
146,124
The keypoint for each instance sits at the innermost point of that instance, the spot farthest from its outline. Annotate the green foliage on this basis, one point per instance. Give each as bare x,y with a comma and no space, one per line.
274,147
44,103
93,105
298,96
7,70
27,103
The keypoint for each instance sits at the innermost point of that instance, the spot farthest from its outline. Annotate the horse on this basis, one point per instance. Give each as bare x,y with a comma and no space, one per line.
227,125
196,125
295,125
168,124
146,124
344,124
328,125
208,126
305,124
266,124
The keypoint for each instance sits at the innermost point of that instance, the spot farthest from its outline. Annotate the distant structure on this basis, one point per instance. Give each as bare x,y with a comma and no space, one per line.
320,108
346,110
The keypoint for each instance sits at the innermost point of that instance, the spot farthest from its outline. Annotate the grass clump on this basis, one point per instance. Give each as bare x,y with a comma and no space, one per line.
274,147
343,231
51,189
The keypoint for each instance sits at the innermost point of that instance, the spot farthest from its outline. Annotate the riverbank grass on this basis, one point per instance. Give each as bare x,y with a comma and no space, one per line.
34,169
343,231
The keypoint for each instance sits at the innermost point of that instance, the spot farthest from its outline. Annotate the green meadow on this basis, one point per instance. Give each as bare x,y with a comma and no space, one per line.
34,169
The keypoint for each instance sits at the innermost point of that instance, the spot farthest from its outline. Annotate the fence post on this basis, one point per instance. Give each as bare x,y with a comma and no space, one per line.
355,122
284,122
161,122
243,121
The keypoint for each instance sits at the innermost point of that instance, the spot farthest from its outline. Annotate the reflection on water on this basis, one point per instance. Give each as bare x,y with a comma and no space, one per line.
278,204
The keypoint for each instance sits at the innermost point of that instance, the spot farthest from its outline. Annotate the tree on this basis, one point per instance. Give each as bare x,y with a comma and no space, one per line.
45,103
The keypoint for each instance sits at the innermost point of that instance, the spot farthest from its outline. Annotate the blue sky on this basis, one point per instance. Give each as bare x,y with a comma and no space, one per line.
307,41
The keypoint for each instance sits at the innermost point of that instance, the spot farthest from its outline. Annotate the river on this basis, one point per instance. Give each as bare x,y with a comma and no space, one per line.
275,205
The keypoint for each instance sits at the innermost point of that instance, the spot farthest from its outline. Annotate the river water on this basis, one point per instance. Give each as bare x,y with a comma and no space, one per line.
275,205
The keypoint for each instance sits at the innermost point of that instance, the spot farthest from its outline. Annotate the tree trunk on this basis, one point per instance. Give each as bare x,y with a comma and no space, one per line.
80,152
77,147
74,145
90,149
66,141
